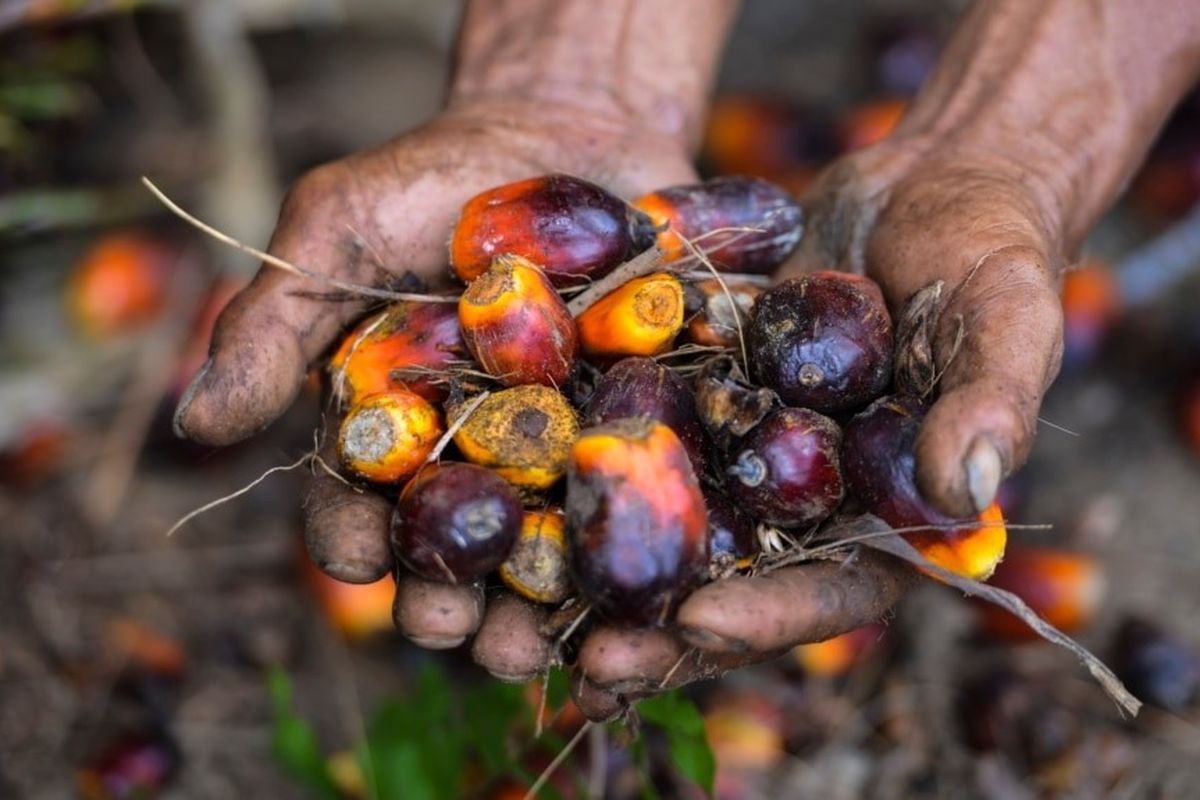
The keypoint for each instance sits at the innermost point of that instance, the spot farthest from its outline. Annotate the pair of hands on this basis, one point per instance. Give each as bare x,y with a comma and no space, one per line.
907,212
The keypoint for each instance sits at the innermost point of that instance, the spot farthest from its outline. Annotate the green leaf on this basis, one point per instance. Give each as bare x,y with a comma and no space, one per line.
293,741
687,741
558,688
491,710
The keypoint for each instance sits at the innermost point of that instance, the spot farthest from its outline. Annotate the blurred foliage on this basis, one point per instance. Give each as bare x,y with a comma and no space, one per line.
440,741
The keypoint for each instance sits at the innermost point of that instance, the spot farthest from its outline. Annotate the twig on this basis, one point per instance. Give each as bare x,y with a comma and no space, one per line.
557,762
675,668
454,428
597,761
287,266
644,263
234,495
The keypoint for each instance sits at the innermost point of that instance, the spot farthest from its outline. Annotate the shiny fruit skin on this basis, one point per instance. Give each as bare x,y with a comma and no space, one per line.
537,567
787,471
573,229
387,437
636,522
822,341
396,349
640,318
455,522
524,434
641,387
713,317
702,209
880,470
517,326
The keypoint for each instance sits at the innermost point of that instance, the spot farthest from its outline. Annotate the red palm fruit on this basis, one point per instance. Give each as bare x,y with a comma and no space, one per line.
715,316
35,453
355,610
636,522
574,229
537,566
641,387
120,285
760,136
524,434
399,348
1064,588
136,765
732,538
835,657
708,213
1091,304
880,469
387,437
822,341
788,471
516,325
1189,414
455,522
641,318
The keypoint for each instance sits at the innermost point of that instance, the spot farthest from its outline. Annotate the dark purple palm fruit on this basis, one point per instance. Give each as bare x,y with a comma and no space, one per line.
732,538
455,522
641,387
822,341
787,471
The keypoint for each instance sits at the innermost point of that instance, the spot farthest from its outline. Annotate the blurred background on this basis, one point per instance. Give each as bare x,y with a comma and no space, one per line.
219,663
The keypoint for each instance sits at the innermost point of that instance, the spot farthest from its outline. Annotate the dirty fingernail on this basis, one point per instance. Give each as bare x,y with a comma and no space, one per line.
437,642
984,470
707,640
186,398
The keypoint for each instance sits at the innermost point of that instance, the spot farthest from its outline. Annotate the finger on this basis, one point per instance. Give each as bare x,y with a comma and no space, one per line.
269,333
509,644
791,606
983,423
635,663
346,526
436,615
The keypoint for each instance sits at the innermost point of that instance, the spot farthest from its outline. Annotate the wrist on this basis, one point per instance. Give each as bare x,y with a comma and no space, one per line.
647,65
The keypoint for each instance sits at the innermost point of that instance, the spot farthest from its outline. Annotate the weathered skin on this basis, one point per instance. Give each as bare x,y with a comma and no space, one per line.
1038,113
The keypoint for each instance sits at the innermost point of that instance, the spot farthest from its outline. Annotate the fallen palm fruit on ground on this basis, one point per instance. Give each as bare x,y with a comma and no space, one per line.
1064,588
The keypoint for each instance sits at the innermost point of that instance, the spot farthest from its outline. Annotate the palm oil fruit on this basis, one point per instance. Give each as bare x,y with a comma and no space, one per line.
120,285
386,437
575,230
728,405
744,224
637,529
517,326
455,523
640,318
732,539
719,311
880,469
788,470
403,347
641,387
524,433
536,568
822,341
1063,587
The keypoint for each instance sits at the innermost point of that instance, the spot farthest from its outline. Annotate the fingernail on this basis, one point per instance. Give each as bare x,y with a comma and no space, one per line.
348,572
186,399
512,677
707,640
984,470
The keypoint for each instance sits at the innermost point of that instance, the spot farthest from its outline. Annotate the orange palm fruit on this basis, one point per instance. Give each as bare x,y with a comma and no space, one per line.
387,437
517,326
744,224
834,657
1064,588
1091,304
871,123
574,229
880,470
637,525
1189,415
356,610
524,434
714,313
120,285
402,347
640,318
536,567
